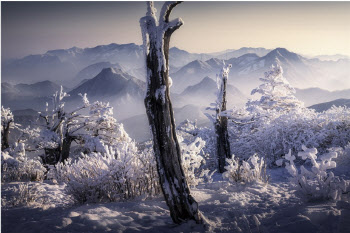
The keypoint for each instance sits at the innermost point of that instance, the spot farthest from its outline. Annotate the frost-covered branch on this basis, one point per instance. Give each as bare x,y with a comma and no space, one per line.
317,183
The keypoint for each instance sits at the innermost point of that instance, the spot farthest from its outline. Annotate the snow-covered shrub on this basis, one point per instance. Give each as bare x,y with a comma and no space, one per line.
273,133
118,174
343,155
317,182
15,166
188,132
192,160
335,128
189,127
252,170
23,195
279,122
150,180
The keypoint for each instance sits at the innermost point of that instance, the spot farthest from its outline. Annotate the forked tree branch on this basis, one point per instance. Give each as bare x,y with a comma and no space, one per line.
166,10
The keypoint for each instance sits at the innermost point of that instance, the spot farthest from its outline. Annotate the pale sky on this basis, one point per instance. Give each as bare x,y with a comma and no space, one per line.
308,28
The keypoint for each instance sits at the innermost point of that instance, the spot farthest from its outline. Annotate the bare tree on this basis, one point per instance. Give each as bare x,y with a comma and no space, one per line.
220,120
156,37
60,128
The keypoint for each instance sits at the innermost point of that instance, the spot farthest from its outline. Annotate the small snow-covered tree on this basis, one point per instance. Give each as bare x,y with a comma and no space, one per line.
220,121
101,122
276,92
156,35
101,128
60,128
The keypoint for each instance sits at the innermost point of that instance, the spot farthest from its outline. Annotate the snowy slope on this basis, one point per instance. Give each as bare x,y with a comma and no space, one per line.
272,208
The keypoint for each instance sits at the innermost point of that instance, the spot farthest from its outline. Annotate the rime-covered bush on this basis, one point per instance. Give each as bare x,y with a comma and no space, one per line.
252,170
24,194
274,133
316,182
192,160
188,131
120,173
343,158
15,166
278,122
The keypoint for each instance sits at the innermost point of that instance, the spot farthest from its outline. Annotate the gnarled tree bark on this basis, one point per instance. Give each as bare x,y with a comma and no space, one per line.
156,37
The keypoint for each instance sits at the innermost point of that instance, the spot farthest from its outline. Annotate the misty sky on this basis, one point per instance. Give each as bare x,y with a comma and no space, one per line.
310,28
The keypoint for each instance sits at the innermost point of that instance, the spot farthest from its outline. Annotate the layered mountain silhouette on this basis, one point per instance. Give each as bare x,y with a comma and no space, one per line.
79,64
204,93
21,96
115,73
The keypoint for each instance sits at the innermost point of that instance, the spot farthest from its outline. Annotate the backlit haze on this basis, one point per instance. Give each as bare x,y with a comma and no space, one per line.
308,28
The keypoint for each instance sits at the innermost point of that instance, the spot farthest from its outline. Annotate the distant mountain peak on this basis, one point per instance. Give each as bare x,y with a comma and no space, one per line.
281,52
206,79
110,81
197,62
177,49
111,72
281,55
108,70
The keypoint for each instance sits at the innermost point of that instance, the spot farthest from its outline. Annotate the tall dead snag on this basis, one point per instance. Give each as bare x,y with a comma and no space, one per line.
223,144
156,37
220,118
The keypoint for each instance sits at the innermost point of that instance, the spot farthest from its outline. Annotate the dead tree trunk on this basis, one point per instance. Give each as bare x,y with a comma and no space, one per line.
222,138
5,136
67,142
156,37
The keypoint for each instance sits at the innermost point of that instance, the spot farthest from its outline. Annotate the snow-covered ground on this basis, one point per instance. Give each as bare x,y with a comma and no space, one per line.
275,207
